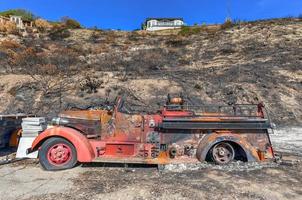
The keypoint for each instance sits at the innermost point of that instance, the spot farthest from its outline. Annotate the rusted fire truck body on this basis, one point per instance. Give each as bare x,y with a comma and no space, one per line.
175,134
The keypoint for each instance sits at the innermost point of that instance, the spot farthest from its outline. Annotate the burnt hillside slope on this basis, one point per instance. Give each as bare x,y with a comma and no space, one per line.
244,63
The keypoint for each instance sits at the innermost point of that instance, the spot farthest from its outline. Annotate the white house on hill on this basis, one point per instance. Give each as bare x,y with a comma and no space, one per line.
154,24
21,23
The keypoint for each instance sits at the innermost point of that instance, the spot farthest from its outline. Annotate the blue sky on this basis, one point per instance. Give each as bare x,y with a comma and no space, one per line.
129,14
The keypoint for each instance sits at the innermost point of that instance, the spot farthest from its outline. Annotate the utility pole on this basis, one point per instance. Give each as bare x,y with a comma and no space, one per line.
229,9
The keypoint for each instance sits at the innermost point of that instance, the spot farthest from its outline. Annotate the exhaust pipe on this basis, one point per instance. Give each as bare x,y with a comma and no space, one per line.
59,121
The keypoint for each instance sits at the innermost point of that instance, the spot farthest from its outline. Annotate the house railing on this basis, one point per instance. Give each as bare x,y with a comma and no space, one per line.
165,25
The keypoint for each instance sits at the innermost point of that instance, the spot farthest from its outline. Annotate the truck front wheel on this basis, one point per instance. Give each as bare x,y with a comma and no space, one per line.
57,154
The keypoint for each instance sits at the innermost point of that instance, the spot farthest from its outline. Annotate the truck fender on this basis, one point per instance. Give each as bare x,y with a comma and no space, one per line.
84,149
207,142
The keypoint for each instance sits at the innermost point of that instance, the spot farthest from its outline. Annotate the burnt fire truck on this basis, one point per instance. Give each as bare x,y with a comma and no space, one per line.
178,133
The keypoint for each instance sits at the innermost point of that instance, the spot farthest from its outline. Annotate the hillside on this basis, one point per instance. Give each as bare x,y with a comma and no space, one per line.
243,63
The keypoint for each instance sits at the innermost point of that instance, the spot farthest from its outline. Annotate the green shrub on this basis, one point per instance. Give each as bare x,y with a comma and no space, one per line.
71,23
26,15
188,30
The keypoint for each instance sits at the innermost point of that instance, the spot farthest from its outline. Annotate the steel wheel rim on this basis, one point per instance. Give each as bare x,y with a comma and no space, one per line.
59,154
223,153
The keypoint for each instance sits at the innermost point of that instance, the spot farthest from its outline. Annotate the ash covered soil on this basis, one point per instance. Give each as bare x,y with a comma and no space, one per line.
282,180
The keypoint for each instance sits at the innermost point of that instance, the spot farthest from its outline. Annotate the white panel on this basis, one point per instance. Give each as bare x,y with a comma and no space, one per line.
24,144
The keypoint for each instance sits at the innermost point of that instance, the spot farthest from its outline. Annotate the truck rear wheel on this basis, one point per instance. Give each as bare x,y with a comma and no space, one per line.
57,154
222,153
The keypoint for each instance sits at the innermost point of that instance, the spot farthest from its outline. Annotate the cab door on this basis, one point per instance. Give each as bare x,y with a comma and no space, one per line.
123,128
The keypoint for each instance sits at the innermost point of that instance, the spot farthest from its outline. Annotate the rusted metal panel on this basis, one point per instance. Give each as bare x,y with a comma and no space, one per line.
120,149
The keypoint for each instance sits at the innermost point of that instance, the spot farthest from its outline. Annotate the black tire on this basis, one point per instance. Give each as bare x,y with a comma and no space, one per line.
222,153
46,159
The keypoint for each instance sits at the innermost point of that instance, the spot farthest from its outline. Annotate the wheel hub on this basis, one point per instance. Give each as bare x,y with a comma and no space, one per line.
59,154
223,153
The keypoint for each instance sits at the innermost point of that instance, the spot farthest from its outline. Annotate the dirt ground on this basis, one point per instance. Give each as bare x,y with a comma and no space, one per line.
26,180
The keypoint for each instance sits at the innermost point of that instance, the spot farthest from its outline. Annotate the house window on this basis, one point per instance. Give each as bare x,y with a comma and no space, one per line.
177,22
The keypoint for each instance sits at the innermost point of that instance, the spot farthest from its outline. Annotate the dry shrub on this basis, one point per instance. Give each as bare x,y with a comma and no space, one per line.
50,71
2,27
177,42
134,36
21,59
95,36
9,27
149,60
227,24
9,44
125,47
100,48
40,63
57,25
90,83
111,37
42,24
59,33
212,29
66,60
111,62
47,69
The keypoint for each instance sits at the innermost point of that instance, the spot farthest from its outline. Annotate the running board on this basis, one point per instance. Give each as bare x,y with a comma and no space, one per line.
120,160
